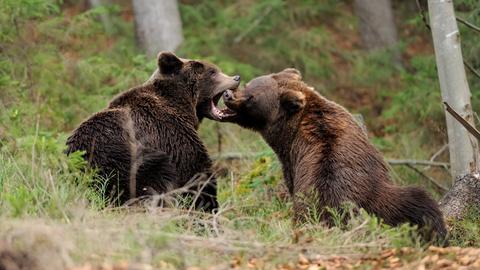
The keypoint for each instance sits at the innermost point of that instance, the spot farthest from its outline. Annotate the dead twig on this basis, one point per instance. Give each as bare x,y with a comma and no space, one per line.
351,233
468,24
469,67
476,117
439,152
417,162
476,28
434,156
235,155
462,121
427,25
422,14
438,185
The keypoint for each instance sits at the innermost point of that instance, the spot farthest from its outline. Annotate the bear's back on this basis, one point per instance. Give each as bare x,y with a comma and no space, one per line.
105,142
159,125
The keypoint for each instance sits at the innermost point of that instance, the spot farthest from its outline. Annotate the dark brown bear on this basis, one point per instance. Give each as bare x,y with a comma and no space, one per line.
145,142
325,155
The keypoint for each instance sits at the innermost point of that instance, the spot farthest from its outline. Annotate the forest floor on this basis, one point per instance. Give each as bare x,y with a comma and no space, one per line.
397,258
405,258
150,239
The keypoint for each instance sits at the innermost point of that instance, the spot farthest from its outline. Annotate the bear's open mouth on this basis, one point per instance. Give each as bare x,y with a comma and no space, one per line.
220,113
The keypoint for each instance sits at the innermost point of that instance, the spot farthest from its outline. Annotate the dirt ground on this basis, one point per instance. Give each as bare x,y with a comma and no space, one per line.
405,258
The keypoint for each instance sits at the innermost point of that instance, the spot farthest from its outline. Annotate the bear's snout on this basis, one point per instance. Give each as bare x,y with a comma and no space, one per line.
236,78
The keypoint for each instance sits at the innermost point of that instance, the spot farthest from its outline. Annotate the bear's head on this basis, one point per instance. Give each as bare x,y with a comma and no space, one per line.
197,82
266,101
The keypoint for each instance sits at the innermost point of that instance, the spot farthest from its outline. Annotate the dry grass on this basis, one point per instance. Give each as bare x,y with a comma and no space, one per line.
178,238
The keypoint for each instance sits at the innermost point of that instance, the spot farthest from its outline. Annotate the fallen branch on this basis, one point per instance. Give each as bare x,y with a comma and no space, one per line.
235,156
417,162
462,121
410,163
438,185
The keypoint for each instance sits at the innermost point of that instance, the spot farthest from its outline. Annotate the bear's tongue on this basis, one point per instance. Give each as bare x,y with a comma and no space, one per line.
220,113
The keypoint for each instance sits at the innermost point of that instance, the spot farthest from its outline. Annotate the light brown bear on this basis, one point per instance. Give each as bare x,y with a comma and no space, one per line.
325,155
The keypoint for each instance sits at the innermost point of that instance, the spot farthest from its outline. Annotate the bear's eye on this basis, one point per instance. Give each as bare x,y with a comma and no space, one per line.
248,101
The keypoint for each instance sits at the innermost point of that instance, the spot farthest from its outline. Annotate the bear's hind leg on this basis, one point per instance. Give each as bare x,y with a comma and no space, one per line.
155,174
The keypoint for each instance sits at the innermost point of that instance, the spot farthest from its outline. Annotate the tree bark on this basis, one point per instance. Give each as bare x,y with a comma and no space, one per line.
158,25
463,147
376,23
107,24
464,193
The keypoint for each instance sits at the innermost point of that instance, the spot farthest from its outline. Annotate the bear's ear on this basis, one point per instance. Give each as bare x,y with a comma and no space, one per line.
292,101
288,74
169,63
293,73
198,66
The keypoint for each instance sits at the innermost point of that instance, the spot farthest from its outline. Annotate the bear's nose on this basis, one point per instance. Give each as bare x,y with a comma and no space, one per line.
228,95
236,78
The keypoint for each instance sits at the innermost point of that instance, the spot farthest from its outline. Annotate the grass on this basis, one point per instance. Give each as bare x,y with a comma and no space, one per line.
57,66
466,232
45,205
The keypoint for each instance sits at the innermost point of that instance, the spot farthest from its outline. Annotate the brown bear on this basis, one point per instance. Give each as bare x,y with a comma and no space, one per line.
146,142
325,155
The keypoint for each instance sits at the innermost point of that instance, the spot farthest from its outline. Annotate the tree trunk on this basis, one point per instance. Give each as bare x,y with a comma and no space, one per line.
107,24
454,86
376,23
464,193
158,25
463,147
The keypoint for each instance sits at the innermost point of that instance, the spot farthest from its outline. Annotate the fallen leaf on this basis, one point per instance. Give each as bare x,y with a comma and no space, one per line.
421,267
302,259
438,250
465,260
444,263
387,253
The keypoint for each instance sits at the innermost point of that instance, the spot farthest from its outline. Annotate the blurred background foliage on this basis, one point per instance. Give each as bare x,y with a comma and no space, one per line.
58,66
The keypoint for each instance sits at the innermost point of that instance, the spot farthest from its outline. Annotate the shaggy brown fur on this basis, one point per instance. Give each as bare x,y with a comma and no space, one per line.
146,141
324,152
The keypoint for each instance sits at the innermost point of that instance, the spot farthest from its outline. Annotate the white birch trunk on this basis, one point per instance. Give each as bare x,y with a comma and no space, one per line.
158,25
454,86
